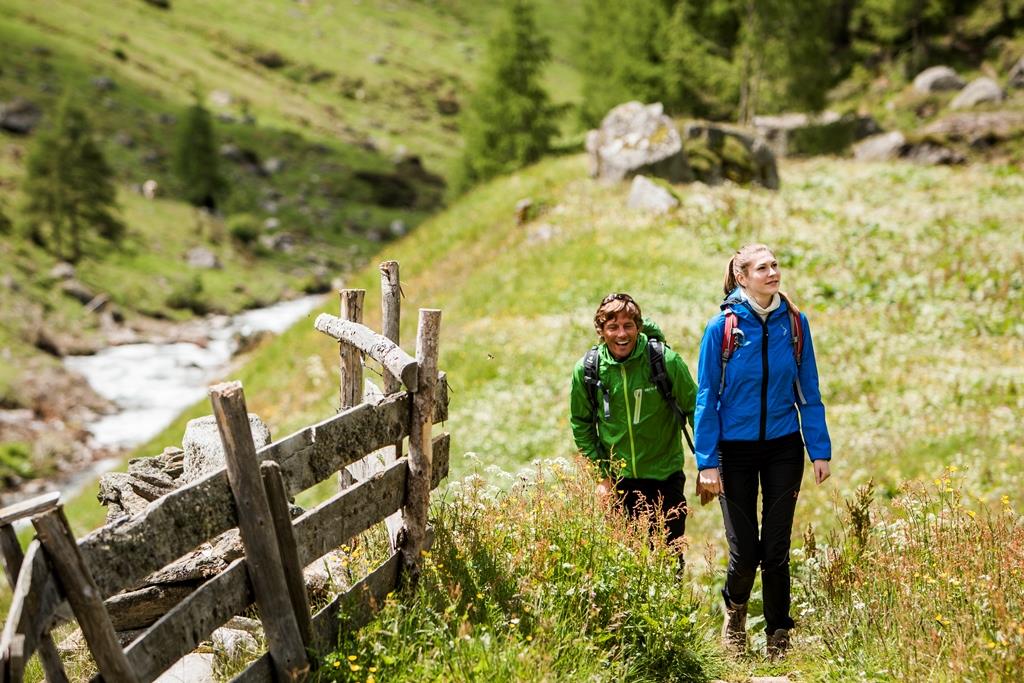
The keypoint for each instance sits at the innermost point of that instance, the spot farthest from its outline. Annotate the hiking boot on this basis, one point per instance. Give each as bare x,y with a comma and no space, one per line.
734,628
778,643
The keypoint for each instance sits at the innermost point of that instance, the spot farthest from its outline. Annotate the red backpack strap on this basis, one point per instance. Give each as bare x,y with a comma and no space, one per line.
730,341
797,330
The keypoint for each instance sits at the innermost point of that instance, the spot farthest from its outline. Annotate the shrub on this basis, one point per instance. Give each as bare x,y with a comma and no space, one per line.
244,228
15,461
188,295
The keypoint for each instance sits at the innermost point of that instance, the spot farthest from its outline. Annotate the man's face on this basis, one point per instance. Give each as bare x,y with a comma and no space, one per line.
620,333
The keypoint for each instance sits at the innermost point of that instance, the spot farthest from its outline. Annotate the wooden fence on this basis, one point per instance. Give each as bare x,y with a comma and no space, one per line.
250,493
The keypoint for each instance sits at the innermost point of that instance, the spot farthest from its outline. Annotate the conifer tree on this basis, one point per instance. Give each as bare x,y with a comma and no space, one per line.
509,120
195,159
69,186
699,78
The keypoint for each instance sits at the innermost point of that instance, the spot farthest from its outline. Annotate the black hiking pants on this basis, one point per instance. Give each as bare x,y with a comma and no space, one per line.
647,496
777,466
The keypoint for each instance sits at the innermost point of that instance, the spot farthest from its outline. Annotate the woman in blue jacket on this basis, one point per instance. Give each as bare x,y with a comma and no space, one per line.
758,407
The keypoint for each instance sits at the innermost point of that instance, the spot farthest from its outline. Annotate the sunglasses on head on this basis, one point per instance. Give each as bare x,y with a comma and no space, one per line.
618,296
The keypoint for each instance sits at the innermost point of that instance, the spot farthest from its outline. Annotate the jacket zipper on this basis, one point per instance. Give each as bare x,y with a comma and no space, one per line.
629,423
764,372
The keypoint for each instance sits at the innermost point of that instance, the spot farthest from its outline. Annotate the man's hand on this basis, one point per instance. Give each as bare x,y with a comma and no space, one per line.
604,489
709,485
821,471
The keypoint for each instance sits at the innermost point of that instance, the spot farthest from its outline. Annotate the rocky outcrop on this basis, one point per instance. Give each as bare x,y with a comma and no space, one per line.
203,450
718,153
977,128
637,139
19,116
938,79
979,91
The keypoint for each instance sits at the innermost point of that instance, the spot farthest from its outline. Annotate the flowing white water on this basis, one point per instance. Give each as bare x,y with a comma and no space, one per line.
152,383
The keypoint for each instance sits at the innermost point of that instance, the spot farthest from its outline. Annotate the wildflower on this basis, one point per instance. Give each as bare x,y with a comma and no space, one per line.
354,667
337,664
942,620
952,468
529,638
372,669
1005,500
352,658
971,514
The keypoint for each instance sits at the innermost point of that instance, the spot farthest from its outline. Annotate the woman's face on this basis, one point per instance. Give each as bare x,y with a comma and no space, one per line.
620,333
761,280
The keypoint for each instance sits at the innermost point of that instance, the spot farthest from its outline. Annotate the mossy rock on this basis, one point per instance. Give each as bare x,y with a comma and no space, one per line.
737,162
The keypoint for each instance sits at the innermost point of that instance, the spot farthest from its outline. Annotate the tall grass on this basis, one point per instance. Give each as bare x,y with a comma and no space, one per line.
927,587
538,582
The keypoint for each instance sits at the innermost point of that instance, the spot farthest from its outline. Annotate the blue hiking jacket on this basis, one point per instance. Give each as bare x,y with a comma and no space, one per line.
759,401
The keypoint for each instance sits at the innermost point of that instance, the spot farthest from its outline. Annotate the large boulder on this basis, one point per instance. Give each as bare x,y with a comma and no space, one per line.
716,153
978,91
883,147
637,139
938,79
977,128
647,195
800,134
204,452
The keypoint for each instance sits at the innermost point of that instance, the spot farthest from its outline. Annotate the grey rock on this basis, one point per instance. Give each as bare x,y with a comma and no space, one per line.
934,155
377,59
104,83
201,257
398,228
1015,78
646,195
19,116
973,127
635,138
196,667
523,210
273,165
231,643
978,91
204,452
76,290
283,242
880,147
220,98
937,79
62,271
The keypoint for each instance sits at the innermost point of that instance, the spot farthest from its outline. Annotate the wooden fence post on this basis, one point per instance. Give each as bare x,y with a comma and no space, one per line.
10,549
391,318
83,594
257,530
277,497
417,496
350,382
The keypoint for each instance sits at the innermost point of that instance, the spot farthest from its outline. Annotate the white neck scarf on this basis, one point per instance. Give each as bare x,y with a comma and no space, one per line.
762,311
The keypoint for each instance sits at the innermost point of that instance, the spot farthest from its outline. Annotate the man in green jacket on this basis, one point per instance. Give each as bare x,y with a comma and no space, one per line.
625,425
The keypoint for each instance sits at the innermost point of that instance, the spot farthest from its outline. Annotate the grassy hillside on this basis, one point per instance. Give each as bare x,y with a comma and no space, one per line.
915,305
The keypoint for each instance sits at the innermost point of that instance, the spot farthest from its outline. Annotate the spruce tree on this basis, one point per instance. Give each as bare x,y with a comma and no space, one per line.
69,186
509,120
195,159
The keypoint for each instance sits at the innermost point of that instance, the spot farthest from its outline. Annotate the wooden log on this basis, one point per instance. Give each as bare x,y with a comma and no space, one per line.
83,594
122,554
29,507
257,531
380,348
417,497
391,317
14,660
191,621
13,557
351,367
277,497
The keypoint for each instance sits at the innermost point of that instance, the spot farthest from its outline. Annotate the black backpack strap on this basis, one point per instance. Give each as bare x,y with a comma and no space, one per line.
659,375
592,380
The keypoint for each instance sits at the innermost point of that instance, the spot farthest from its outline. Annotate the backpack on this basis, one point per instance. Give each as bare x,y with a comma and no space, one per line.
659,375
733,335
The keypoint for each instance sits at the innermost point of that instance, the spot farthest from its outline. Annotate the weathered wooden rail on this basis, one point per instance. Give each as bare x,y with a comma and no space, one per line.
250,493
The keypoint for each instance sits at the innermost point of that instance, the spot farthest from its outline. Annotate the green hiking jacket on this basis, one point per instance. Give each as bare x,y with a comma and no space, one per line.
642,439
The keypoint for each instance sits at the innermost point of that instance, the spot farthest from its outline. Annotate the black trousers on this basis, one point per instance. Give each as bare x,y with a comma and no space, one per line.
777,465
644,496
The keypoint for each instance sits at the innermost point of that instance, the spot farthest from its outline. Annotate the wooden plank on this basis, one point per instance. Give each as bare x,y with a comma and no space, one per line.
391,316
376,346
34,605
256,528
13,557
273,482
29,507
350,387
191,621
83,594
417,494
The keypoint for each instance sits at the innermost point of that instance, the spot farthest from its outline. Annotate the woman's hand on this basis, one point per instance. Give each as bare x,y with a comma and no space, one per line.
709,485
821,471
